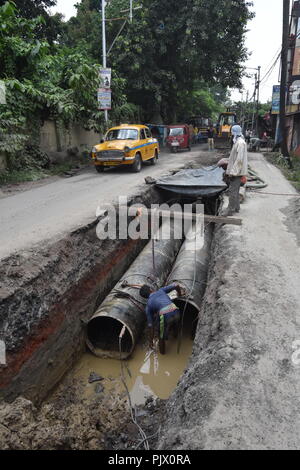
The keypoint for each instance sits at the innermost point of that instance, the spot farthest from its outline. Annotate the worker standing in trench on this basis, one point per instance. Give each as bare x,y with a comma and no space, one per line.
162,313
237,169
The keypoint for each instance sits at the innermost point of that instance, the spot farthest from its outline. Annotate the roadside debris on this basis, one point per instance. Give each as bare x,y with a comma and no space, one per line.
150,180
95,378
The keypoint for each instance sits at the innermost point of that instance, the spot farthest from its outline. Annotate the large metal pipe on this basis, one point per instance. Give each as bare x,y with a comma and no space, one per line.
190,270
124,307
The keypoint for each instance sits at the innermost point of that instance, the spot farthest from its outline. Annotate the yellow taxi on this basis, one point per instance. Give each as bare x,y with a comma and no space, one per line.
126,145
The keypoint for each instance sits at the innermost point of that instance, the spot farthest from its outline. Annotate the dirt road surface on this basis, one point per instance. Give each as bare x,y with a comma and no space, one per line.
52,210
241,387
241,390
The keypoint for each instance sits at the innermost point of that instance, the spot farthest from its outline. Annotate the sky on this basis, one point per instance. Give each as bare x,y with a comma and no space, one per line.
263,41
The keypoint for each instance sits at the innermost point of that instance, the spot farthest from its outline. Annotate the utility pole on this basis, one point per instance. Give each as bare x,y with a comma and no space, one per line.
254,101
246,112
242,111
257,102
283,84
103,4
130,11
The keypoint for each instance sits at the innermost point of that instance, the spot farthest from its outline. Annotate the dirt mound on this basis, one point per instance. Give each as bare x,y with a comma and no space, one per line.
68,422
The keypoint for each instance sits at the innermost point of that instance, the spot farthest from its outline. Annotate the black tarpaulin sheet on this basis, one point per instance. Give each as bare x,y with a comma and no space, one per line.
205,182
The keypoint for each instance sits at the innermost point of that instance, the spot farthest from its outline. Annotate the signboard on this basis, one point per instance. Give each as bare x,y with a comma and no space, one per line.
296,65
104,99
105,75
293,96
2,92
276,99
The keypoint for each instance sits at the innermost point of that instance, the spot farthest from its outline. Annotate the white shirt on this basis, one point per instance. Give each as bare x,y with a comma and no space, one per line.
238,160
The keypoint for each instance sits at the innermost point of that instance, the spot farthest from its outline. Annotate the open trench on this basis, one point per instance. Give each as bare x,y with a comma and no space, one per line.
70,397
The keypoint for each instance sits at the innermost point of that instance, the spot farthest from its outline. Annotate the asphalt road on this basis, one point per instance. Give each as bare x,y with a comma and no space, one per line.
49,211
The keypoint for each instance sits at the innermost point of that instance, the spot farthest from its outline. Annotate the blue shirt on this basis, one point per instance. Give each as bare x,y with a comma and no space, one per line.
157,301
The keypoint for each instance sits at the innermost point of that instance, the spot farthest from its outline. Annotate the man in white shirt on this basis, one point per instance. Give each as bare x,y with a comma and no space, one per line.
236,169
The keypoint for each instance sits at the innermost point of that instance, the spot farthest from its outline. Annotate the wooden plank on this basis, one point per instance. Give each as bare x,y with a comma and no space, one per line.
163,213
222,220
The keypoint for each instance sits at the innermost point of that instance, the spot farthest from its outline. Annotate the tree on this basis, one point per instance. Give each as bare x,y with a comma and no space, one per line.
246,112
31,8
169,46
52,26
201,100
60,83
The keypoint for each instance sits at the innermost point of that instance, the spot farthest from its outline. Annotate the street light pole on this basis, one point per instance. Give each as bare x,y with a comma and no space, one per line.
254,101
103,4
257,103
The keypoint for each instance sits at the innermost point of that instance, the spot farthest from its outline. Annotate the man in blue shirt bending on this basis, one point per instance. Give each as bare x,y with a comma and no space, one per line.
162,313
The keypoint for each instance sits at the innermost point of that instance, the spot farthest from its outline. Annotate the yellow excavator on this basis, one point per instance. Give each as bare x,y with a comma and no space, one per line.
223,128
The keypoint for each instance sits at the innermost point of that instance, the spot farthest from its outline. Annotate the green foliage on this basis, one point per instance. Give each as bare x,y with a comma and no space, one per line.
168,49
19,176
246,110
201,101
40,84
12,137
175,59
19,48
51,27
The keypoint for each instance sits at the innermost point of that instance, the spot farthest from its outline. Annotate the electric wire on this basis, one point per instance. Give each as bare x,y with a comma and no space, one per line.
150,437
268,73
274,57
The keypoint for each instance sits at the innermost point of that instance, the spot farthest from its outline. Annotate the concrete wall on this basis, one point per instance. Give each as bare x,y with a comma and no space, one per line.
48,137
57,142
60,140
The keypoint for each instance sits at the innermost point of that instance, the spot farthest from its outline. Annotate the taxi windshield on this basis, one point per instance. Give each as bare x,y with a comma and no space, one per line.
122,134
176,131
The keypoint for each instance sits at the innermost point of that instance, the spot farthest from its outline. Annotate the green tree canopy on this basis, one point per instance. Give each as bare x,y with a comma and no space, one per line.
52,25
169,46
41,83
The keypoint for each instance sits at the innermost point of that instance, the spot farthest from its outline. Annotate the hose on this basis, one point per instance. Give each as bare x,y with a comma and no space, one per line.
261,184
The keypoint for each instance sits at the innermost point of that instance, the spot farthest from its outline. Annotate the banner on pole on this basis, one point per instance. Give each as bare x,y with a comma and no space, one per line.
105,75
104,99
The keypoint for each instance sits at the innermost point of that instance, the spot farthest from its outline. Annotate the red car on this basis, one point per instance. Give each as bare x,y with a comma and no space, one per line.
178,137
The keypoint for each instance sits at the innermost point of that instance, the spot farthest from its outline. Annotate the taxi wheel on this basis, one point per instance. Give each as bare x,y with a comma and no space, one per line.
154,159
137,166
99,169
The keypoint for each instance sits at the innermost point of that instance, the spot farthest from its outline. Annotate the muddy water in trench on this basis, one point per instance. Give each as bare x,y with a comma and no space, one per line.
147,373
